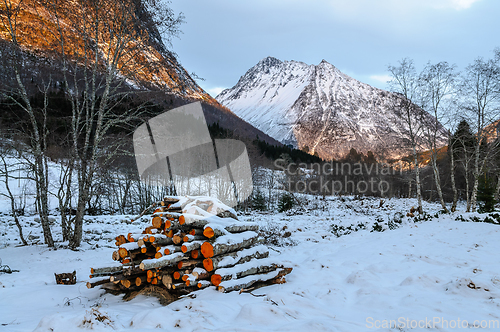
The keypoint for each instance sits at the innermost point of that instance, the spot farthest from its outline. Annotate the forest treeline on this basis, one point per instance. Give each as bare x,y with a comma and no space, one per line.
101,74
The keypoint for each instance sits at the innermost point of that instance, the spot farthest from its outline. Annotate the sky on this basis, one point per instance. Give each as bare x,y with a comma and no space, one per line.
222,39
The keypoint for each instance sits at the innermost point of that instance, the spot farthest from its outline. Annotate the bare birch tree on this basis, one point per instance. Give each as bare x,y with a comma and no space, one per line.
16,92
405,82
112,49
438,87
480,89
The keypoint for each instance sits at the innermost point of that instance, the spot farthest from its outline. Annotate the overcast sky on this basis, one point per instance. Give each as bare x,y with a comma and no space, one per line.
222,39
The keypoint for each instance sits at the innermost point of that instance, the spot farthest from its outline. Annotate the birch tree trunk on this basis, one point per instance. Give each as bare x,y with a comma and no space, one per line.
9,18
497,191
452,176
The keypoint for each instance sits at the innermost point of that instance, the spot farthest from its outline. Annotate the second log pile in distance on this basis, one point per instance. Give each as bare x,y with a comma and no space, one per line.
192,243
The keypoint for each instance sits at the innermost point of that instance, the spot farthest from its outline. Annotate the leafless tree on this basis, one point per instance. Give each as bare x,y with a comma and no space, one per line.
438,89
103,46
480,89
405,82
15,91
6,168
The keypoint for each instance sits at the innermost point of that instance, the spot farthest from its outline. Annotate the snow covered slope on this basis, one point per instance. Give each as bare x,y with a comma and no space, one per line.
319,109
439,271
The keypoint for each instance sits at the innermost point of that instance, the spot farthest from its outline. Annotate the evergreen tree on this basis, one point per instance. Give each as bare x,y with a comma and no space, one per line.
259,201
285,202
463,140
486,195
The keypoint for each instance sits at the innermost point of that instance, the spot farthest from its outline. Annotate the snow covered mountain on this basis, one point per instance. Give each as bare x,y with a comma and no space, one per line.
320,109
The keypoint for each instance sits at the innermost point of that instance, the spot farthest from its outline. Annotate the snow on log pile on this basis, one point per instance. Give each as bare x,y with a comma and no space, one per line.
192,243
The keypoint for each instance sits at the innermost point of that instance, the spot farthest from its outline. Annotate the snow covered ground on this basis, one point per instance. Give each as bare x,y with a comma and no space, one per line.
435,275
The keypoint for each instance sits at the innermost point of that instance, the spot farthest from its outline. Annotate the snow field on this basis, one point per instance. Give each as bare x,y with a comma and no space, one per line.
441,268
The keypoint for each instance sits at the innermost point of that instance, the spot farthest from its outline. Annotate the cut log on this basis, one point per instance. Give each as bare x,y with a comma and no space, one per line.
220,227
237,284
167,224
255,266
190,246
170,199
191,238
181,285
242,227
107,269
166,280
123,253
96,283
195,254
237,257
168,214
163,261
115,256
229,243
203,283
106,274
196,231
177,238
189,263
131,237
193,220
215,279
162,223
126,283
150,230
160,239
178,275
209,232
130,246
200,273
141,280
157,222
171,249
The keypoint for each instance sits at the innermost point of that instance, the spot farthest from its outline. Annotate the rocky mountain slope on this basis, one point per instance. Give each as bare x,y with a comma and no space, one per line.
321,110
42,27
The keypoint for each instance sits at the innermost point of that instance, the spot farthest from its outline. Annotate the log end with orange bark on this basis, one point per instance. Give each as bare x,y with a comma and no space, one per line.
195,254
208,264
156,222
207,250
216,279
209,232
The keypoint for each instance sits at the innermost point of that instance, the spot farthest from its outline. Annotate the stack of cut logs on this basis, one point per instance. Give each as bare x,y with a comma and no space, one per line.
192,243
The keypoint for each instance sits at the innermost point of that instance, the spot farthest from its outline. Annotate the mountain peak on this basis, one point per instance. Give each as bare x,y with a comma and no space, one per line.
319,109
270,62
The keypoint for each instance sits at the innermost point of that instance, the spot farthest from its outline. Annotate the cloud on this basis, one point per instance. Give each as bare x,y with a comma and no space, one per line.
462,4
214,91
406,7
453,4
381,78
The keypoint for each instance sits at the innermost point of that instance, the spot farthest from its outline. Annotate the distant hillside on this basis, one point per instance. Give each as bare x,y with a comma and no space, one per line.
38,24
158,75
